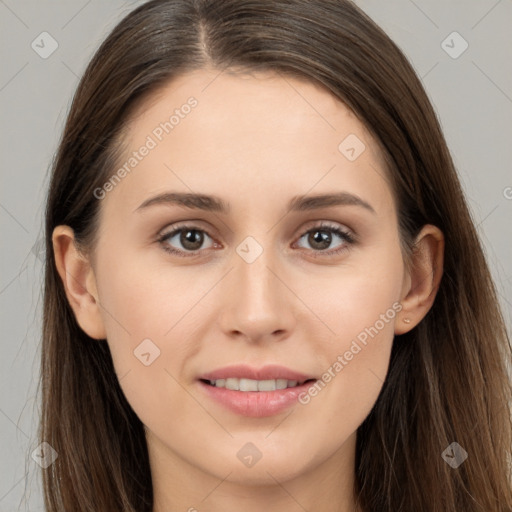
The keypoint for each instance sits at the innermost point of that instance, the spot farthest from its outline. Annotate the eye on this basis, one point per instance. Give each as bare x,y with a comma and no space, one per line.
320,237
191,239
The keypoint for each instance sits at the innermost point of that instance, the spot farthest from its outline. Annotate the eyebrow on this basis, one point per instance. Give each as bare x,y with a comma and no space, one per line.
218,205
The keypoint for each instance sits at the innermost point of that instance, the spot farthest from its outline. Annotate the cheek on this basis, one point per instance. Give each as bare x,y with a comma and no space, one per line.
136,311
144,299
354,297
360,306
151,313
146,321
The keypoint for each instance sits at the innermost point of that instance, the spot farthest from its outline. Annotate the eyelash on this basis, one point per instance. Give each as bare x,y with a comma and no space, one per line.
348,238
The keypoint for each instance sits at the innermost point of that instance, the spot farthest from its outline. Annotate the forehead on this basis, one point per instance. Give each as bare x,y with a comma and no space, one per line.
241,97
249,133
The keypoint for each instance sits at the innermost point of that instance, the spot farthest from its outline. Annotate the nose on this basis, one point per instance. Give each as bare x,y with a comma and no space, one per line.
257,303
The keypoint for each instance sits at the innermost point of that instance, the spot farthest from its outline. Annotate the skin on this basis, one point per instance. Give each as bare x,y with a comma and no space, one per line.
255,140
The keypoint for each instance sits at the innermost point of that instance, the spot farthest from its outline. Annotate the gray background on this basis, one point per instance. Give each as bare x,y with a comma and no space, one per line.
472,95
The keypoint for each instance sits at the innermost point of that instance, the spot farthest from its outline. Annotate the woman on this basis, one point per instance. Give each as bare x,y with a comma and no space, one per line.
246,366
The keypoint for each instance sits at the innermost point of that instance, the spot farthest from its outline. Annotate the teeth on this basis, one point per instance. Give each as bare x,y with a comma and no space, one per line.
263,385
231,384
249,385
253,385
283,383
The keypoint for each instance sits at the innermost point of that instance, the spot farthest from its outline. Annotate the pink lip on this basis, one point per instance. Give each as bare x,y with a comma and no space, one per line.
268,372
255,404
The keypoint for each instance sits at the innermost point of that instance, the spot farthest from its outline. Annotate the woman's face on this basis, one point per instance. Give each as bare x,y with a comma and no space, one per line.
263,281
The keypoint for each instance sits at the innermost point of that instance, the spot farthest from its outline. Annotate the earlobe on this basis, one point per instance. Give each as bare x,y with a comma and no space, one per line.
422,280
79,282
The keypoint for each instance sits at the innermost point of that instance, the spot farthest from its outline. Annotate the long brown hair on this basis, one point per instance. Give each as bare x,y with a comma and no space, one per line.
447,378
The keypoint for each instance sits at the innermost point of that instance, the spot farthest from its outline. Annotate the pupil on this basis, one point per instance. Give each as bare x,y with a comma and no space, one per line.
324,239
192,242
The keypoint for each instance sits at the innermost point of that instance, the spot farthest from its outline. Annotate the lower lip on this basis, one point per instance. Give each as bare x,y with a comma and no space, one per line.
256,404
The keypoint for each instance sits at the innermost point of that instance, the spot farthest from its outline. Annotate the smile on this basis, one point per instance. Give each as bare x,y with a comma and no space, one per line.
236,384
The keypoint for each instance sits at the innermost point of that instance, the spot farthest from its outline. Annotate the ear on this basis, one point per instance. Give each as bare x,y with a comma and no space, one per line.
422,279
79,282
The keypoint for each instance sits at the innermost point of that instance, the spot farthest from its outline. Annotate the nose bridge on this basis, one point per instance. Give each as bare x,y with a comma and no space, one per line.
255,280
258,302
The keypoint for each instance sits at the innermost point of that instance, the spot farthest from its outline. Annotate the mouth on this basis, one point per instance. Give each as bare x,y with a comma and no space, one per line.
246,385
256,398
255,392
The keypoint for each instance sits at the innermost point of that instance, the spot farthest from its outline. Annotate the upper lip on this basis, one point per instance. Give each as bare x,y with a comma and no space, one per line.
268,372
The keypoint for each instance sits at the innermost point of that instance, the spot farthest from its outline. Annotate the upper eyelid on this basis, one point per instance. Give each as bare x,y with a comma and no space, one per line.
197,224
167,231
